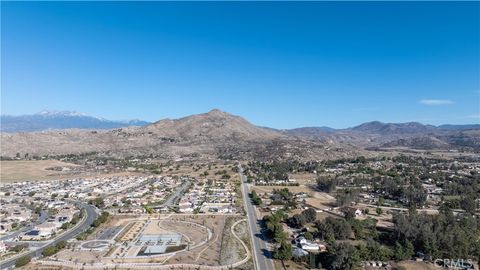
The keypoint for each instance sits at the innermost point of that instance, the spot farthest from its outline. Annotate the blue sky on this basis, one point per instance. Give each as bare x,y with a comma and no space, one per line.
281,65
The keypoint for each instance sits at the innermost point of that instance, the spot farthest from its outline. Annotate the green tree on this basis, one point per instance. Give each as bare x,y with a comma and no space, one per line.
308,236
283,252
342,257
61,245
403,252
49,251
468,204
22,261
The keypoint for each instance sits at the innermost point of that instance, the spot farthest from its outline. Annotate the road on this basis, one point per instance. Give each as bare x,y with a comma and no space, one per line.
178,193
91,216
42,217
261,254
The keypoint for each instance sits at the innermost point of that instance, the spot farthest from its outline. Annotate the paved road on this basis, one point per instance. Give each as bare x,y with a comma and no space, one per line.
91,216
178,193
43,216
261,254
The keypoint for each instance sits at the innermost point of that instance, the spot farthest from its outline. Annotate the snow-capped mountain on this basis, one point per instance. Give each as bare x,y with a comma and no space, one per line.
48,119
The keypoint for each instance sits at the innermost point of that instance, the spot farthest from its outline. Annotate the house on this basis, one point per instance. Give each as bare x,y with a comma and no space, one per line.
3,247
309,246
298,252
5,227
47,229
185,208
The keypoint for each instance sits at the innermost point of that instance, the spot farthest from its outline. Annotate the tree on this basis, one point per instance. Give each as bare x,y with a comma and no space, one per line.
342,257
22,261
61,245
310,215
349,213
18,248
255,199
468,204
326,183
49,251
403,252
284,252
297,221
379,211
347,196
380,201
98,202
308,236
373,251
333,228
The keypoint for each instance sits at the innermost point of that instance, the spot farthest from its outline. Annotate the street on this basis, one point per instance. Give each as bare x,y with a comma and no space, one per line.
42,217
91,216
261,254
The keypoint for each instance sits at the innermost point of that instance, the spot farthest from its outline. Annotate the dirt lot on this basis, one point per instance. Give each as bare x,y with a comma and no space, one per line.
36,170
79,256
303,178
197,170
13,170
411,265
319,200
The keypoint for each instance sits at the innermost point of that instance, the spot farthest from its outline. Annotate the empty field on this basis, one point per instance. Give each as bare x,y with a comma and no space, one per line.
31,170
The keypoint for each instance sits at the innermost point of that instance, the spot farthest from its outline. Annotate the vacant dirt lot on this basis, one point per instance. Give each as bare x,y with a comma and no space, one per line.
214,170
319,200
32,170
304,178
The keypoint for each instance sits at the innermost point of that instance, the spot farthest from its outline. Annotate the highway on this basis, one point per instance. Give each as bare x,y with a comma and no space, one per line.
261,254
91,216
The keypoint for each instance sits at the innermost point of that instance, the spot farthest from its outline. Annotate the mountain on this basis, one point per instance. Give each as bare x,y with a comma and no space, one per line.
460,127
217,134
46,120
213,125
309,131
380,128
387,135
210,135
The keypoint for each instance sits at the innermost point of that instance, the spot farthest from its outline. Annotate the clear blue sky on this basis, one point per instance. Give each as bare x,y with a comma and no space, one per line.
281,65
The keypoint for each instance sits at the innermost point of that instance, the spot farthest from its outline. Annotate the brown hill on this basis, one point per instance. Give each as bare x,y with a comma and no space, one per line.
214,125
212,134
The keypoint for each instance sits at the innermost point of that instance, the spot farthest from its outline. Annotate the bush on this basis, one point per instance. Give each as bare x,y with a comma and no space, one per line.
18,248
22,261
49,251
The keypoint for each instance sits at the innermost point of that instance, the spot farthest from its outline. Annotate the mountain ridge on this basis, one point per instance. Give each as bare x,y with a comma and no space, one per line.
220,134
51,120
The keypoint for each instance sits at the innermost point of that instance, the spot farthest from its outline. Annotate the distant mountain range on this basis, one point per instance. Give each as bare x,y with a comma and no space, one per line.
219,134
46,120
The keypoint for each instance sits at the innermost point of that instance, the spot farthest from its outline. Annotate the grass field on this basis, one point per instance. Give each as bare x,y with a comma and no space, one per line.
32,170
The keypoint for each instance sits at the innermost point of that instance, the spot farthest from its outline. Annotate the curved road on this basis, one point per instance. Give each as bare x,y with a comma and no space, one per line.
43,216
91,216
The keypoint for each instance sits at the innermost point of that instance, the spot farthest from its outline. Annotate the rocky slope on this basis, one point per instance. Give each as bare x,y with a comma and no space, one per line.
213,134
219,134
